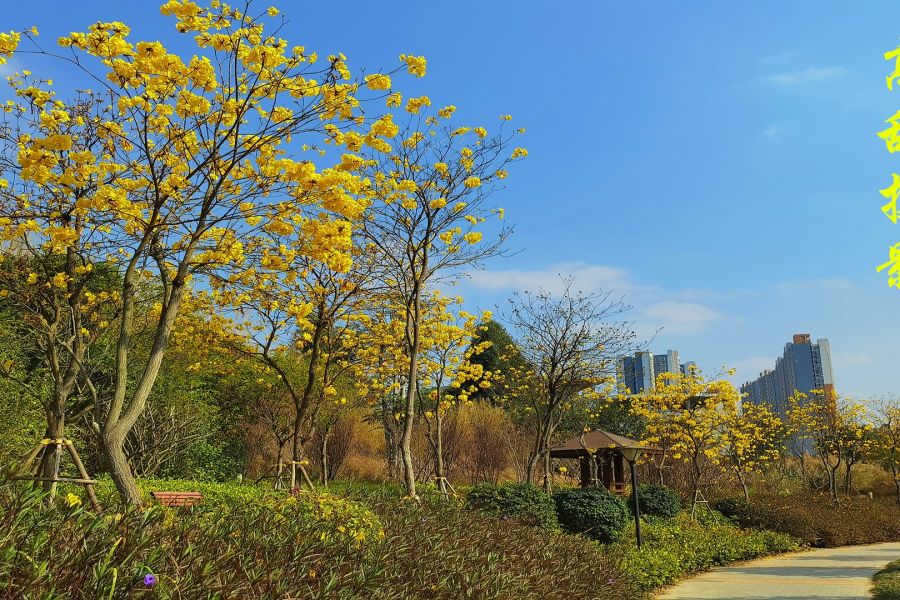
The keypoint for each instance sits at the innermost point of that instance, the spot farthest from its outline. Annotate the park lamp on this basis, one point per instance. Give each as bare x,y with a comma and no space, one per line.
631,453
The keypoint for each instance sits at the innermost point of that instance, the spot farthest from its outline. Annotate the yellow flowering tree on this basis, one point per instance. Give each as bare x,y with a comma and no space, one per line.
753,437
447,377
431,185
62,306
886,442
382,365
834,426
567,345
689,416
174,169
290,308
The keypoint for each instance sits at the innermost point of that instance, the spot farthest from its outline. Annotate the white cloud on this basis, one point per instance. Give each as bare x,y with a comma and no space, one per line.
835,285
808,75
588,278
771,134
849,360
680,317
675,311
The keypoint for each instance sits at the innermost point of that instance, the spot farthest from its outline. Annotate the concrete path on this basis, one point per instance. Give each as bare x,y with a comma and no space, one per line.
824,573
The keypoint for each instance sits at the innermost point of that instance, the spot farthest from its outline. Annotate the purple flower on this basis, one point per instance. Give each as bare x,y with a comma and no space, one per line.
149,579
612,580
504,517
423,519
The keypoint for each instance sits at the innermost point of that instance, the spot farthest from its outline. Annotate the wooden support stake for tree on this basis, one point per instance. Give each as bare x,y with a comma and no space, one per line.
84,480
83,472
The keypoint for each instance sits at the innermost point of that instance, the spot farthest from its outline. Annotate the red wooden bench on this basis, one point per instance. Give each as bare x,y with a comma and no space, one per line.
177,498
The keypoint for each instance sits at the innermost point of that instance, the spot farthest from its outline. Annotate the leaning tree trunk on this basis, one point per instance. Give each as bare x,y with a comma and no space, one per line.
413,333
119,469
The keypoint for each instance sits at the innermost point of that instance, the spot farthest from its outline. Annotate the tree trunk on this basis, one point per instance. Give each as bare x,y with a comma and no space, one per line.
439,455
49,465
324,457
120,471
832,477
546,485
413,339
743,481
696,475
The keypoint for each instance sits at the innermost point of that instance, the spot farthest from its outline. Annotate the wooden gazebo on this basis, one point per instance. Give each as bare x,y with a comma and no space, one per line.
610,463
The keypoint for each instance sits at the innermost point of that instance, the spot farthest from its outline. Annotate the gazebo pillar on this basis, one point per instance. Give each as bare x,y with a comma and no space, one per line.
618,468
585,471
606,470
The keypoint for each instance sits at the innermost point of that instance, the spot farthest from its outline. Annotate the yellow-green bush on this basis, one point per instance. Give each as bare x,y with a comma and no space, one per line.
679,546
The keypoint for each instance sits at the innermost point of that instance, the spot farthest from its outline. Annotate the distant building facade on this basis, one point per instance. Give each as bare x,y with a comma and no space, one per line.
803,367
638,371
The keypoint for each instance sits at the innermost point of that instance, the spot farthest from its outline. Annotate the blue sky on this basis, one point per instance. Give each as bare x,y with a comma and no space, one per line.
716,163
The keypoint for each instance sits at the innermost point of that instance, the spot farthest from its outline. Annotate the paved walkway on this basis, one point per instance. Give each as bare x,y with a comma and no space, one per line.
824,573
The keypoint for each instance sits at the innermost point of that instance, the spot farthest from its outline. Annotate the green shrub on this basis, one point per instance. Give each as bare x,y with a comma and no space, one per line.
737,509
514,500
680,546
886,582
593,511
656,501
818,522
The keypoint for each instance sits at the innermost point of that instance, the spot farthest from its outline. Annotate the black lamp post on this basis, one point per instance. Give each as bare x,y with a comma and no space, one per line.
631,454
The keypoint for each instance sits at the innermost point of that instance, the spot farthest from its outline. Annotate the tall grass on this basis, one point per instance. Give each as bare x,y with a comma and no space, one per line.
310,547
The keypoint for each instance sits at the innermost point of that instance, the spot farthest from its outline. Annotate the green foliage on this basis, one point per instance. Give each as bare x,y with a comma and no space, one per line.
489,358
210,462
442,550
264,550
278,549
616,417
887,582
593,511
656,501
680,546
230,493
515,500
738,509
818,522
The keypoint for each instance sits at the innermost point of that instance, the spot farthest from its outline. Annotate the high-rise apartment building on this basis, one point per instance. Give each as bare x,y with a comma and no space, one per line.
639,371
803,367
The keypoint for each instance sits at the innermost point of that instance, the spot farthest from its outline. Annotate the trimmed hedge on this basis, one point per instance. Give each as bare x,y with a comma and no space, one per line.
593,511
817,521
656,501
518,500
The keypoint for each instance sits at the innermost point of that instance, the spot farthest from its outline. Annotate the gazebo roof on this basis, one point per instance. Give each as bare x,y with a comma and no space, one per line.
599,439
